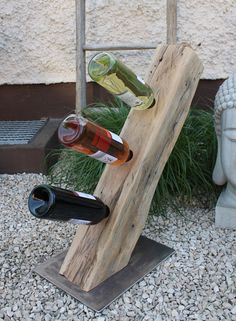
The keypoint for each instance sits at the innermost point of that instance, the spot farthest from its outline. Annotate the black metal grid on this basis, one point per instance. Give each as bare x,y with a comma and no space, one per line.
19,132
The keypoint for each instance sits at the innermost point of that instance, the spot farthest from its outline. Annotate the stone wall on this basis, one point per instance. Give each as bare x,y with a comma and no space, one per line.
37,37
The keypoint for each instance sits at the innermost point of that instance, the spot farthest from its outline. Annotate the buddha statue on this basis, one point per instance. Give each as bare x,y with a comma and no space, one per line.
225,166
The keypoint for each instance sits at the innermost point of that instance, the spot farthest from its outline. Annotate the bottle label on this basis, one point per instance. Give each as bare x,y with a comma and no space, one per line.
141,80
103,157
77,221
85,195
116,137
130,99
103,138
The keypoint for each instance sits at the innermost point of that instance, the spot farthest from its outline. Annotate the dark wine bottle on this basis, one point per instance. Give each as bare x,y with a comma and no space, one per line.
54,203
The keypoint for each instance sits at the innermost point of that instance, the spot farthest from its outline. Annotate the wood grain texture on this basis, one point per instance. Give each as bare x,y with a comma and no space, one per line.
171,21
80,99
99,251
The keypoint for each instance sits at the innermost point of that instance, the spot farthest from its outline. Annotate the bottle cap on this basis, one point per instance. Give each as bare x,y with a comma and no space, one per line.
40,201
100,65
71,128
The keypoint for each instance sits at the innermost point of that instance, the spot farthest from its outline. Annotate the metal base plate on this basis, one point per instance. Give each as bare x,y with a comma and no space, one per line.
146,256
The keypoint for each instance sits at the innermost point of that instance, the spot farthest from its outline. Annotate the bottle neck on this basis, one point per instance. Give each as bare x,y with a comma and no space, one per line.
41,200
71,129
100,65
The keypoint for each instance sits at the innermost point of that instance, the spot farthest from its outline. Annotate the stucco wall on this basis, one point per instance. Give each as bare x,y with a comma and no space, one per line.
37,37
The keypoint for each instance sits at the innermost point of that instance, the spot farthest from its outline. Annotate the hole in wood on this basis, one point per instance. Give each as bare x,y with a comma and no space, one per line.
130,156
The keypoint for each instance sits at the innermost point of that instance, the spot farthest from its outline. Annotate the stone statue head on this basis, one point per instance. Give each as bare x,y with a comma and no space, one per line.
225,167
225,126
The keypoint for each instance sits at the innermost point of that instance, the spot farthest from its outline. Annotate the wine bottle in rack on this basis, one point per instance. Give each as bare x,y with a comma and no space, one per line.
86,137
120,81
54,203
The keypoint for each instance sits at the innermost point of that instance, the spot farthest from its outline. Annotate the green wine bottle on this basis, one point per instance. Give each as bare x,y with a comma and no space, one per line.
120,81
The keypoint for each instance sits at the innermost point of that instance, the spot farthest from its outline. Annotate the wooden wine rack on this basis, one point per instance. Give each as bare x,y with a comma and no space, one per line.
99,252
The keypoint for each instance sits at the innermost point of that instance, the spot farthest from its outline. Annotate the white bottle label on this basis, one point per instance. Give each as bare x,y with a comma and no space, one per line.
130,99
85,195
141,80
103,157
116,138
77,221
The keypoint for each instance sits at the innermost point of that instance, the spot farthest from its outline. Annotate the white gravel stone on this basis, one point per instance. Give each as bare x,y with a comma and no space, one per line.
196,283
234,310
174,313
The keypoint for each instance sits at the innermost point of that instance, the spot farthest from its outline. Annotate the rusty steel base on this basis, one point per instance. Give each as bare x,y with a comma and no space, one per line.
147,255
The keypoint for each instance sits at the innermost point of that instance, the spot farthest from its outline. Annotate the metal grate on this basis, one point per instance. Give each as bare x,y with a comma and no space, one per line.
19,132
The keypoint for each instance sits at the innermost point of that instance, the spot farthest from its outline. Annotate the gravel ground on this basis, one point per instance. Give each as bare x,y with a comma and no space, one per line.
196,283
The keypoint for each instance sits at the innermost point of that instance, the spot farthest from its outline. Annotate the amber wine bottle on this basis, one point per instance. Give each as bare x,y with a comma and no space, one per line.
120,81
97,142
54,203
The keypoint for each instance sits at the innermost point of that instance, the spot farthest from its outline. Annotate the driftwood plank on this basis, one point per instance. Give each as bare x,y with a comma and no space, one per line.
99,251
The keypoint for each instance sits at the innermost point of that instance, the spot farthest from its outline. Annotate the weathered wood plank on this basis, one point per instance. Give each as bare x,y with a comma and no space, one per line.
108,47
99,251
171,21
80,99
